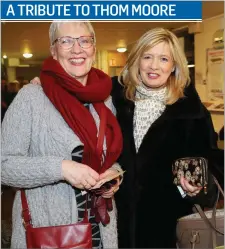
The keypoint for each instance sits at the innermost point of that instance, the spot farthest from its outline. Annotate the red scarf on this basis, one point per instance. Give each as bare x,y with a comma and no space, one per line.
66,94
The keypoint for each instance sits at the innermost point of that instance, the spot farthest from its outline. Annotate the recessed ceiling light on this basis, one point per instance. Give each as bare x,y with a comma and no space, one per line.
4,56
121,50
27,55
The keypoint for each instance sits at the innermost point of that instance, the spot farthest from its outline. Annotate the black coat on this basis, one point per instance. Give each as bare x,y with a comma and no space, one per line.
148,202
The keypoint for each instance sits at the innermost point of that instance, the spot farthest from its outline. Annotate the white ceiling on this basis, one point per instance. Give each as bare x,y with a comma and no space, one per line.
17,35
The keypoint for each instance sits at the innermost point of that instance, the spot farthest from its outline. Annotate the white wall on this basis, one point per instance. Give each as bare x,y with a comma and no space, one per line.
102,60
203,41
11,72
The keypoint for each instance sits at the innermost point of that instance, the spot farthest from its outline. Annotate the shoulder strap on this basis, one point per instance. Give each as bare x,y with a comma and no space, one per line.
207,221
25,210
202,214
218,186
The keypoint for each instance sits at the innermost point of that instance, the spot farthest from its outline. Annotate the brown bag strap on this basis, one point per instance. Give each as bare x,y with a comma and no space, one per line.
218,186
202,214
213,229
204,217
26,212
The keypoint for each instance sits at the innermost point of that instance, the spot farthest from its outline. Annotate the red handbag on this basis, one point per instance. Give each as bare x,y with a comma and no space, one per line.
78,235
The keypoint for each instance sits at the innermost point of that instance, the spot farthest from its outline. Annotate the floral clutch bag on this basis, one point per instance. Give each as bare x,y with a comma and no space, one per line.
193,169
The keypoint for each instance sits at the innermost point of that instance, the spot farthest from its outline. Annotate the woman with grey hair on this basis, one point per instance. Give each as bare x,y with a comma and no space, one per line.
51,144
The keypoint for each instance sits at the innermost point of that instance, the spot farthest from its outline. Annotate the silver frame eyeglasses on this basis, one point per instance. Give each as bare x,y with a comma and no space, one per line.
80,40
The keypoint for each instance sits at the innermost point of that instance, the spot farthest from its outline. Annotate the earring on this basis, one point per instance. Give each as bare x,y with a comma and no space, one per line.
173,70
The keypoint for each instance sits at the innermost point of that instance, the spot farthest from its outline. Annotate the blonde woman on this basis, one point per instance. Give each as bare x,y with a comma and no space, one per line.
162,119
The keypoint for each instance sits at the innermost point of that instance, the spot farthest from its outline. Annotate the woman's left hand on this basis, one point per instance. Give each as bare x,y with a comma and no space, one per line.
115,187
188,188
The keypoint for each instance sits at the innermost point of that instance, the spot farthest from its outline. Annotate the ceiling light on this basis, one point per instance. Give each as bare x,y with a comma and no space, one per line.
4,56
27,55
121,50
191,65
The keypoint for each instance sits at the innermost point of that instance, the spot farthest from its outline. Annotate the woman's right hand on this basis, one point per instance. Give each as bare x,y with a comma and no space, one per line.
79,175
188,188
35,81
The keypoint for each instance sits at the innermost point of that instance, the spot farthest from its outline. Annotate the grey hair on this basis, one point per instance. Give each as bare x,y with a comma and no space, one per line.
54,27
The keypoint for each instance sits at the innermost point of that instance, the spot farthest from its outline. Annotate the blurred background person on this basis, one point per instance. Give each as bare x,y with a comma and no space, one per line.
24,83
4,104
12,89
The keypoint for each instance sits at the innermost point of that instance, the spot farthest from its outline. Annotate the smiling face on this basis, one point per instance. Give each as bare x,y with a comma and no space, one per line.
156,65
76,61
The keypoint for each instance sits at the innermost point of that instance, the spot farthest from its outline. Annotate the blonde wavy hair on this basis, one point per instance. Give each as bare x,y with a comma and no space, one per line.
177,81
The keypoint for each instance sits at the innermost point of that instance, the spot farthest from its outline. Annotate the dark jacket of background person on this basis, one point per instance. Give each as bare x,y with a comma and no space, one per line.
12,90
148,202
4,105
221,133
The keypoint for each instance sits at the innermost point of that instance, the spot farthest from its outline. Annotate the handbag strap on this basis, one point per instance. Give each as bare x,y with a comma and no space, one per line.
207,221
26,217
25,210
202,214
218,186
213,229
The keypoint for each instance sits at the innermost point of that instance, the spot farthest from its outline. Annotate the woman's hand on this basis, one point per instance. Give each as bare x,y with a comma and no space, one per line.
115,187
188,188
79,175
35,81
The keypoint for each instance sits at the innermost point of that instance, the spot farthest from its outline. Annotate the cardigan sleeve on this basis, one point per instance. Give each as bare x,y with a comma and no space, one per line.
19,169
110,105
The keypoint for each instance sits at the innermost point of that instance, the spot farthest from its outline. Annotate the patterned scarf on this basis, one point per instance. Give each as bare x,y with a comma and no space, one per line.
149,106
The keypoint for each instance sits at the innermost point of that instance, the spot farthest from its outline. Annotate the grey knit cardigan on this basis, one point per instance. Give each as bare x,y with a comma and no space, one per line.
35,140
